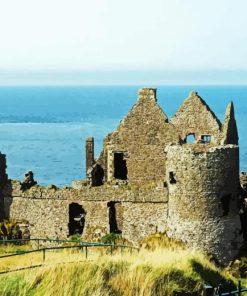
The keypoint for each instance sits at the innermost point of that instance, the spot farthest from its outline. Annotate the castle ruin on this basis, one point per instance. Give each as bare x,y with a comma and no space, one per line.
179,176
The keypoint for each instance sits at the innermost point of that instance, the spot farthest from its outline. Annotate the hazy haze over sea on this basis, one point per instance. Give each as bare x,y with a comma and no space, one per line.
43,129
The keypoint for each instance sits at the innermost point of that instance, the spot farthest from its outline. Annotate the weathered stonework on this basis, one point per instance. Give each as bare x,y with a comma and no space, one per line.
142,136
148,178
195,117
230,131
202,212
142,210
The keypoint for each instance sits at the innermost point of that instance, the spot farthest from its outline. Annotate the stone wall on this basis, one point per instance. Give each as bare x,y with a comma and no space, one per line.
138,212
142,136
195,117
203,198
188,190
143,219
46,217
230,131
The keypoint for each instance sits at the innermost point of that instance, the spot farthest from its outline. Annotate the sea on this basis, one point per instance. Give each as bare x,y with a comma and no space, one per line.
43,128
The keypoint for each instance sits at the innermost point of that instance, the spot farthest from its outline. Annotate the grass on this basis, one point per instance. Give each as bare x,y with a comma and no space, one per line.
161,268
10,248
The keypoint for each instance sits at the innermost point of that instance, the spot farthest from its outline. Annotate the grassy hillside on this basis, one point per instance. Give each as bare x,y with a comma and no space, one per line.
153,271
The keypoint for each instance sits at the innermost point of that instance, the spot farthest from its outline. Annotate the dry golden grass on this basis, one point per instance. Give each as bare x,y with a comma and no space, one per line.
10,248
146,273
51,257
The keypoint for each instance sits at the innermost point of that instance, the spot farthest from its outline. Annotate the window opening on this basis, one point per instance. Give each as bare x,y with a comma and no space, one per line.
76,219
97,175
190,139
205,139
172,179
120,168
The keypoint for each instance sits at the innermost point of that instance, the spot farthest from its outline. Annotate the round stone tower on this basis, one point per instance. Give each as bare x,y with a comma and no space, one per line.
203,184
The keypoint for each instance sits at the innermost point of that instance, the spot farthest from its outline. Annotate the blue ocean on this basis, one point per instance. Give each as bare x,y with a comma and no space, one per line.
43,129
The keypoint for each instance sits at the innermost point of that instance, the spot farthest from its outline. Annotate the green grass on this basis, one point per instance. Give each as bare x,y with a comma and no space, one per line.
154,273
162,267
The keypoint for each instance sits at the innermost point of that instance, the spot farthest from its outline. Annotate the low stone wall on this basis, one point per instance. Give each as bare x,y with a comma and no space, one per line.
138,212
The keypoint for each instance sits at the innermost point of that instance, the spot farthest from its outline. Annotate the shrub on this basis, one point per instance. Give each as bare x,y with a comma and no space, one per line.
111,238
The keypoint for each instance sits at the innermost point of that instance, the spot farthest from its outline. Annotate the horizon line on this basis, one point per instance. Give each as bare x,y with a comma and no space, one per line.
121,84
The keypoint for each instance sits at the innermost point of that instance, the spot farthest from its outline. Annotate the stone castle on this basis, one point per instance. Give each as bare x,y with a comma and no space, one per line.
178,176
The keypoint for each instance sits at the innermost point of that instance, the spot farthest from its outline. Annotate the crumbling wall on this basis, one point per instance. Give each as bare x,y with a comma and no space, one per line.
142,136
195,117
230,131
47,209
203,198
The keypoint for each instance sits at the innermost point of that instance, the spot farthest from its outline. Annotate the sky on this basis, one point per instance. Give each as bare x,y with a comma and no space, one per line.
123,42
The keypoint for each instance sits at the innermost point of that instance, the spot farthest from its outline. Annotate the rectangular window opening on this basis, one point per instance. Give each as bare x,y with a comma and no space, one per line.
205,139
120,167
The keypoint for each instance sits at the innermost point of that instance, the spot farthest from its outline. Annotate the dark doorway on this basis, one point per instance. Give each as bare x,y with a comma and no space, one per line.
97,175
112,218
120,168
76,219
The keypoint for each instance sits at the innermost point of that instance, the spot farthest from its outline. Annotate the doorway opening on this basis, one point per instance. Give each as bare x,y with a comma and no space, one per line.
113,218
76,219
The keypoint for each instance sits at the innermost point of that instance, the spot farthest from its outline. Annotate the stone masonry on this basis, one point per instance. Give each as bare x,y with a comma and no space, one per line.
148,178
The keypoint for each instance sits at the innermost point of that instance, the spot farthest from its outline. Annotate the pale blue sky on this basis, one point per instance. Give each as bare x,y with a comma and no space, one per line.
122,42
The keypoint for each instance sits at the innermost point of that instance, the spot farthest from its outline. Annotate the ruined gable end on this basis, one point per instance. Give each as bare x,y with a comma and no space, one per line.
195,118
135,151
230,131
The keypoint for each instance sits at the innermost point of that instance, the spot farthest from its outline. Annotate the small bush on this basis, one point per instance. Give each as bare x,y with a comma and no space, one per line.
75,237
111,238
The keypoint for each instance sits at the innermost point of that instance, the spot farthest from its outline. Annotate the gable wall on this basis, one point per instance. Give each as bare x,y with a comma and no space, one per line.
143,135
194,116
